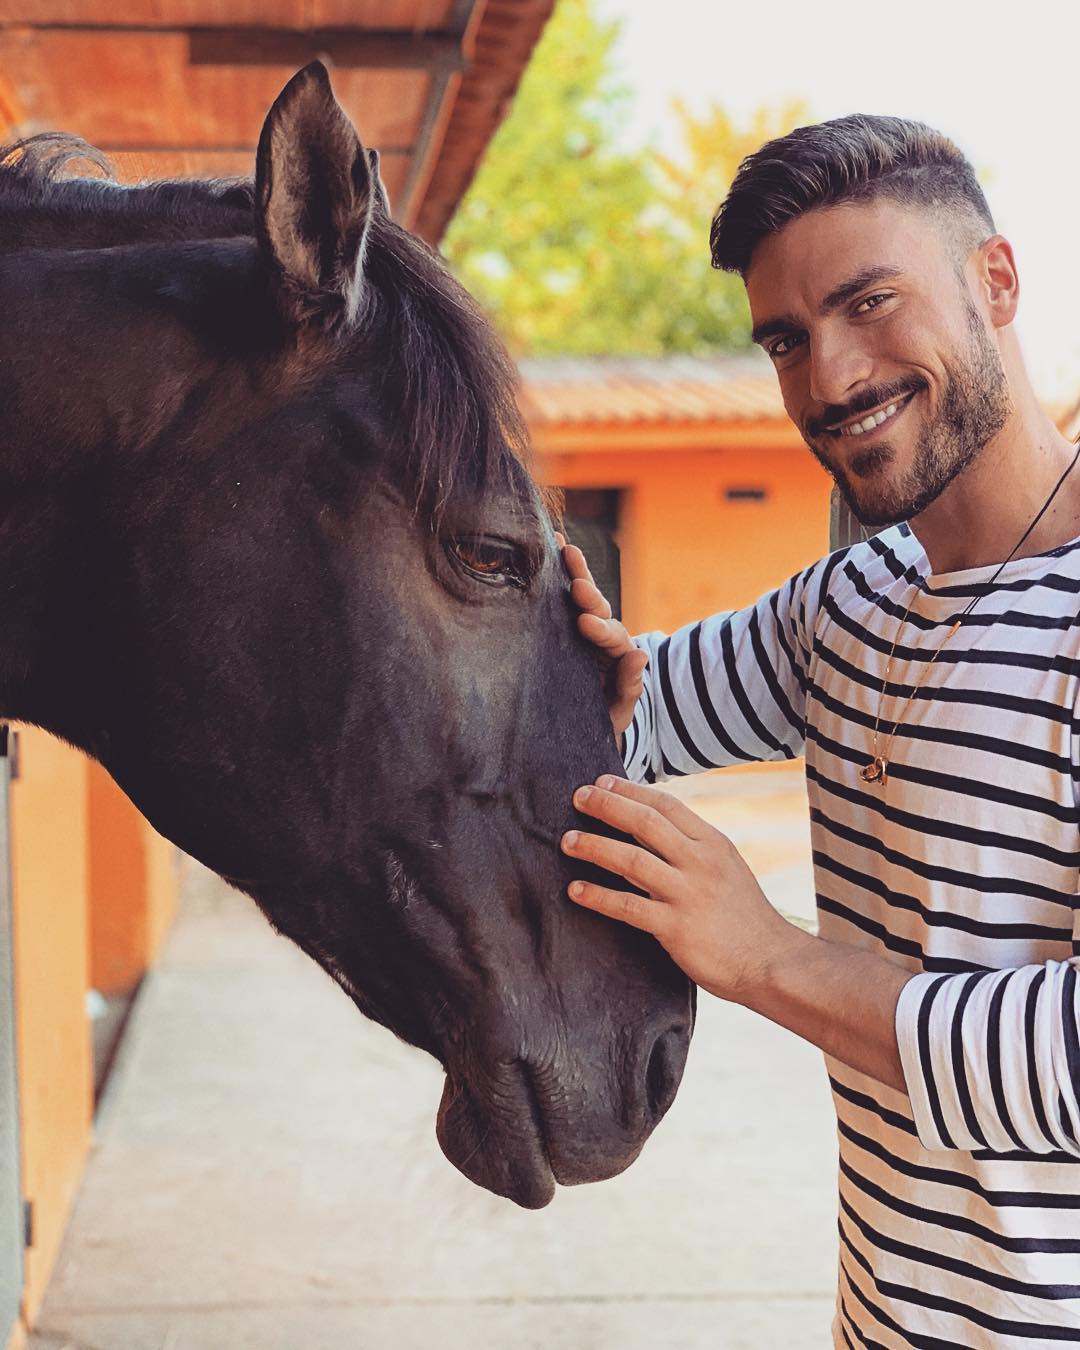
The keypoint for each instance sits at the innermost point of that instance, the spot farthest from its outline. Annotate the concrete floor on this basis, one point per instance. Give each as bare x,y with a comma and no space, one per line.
266,1175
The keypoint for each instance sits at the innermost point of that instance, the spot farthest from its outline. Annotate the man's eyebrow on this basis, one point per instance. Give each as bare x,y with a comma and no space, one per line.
775,327
782,324
847,290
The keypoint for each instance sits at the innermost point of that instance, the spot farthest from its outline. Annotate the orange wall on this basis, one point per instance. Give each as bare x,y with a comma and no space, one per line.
117,865
163,870
50,894
686,550
94,889
133,887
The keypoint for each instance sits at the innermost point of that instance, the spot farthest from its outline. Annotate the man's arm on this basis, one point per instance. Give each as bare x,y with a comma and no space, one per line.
989,1059
728,690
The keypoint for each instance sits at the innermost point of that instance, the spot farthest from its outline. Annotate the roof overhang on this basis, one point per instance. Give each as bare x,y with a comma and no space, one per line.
180,87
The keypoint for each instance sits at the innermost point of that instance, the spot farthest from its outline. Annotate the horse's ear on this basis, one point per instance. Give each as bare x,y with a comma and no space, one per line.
380,187
314,196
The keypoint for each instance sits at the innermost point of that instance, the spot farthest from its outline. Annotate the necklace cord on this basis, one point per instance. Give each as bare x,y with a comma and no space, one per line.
877,770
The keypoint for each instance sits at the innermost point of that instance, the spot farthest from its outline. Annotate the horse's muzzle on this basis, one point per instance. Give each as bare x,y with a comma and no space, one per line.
524,1128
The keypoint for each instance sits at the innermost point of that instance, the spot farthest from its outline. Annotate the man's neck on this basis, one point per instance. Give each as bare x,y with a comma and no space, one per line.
985,511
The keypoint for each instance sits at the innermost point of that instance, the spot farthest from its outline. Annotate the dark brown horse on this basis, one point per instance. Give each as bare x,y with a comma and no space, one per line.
267,551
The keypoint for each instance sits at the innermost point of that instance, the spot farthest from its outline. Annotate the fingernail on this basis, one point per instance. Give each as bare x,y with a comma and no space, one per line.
582,795
570,838
576,888
607,782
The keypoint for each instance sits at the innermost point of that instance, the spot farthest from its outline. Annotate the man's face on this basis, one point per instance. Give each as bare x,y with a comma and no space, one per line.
886,365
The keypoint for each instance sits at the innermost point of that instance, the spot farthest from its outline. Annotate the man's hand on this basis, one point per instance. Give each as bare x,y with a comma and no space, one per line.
621,663
706,907
708,911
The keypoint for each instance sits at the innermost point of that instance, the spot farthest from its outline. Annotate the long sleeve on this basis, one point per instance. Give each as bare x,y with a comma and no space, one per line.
992,1058
730,689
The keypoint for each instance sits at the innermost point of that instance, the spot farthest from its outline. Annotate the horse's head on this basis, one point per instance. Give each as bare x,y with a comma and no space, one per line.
306,606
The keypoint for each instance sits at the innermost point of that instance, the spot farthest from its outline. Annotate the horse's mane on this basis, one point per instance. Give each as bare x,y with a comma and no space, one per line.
450,384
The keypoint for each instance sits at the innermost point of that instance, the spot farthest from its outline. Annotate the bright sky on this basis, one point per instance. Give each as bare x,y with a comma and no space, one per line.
1001,80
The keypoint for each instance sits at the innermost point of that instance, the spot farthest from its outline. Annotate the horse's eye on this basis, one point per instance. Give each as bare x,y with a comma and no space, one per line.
489,560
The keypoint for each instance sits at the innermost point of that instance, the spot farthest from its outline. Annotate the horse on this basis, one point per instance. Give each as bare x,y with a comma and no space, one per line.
271,552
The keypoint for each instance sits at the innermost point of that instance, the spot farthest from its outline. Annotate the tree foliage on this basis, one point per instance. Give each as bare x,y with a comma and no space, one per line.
580,246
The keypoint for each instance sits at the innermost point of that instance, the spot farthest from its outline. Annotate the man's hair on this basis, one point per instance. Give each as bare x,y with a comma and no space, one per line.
860,158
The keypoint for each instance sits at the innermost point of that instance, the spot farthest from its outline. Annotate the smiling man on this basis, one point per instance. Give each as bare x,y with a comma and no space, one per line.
931,677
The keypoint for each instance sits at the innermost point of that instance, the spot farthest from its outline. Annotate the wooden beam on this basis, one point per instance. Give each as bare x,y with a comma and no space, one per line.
411,15
346,47
442,96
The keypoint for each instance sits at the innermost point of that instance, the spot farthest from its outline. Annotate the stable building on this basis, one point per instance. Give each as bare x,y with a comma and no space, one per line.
693,468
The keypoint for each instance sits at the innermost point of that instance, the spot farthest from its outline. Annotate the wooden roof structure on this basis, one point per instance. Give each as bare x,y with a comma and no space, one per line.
180,87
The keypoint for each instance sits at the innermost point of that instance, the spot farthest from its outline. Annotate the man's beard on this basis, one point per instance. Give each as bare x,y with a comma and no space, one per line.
975,405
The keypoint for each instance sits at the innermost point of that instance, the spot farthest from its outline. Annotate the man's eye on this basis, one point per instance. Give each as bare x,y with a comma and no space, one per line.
782,346
871,302
489,560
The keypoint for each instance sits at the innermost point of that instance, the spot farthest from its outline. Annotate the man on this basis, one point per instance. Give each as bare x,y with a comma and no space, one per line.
931,677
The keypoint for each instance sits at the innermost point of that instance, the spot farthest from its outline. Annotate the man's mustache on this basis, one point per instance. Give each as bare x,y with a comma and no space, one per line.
836,413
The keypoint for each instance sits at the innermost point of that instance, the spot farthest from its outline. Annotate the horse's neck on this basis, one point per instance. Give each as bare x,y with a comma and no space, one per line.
39,596
45,494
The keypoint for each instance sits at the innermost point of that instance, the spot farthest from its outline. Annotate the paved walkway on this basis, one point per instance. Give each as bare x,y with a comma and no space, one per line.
267,1177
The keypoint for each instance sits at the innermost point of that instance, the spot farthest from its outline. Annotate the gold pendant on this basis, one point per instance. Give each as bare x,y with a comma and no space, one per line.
876,771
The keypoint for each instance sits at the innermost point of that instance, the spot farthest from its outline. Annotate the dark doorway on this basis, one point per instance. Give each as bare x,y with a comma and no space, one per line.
591,520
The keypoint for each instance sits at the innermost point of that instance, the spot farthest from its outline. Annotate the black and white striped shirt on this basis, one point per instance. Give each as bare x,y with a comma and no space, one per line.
959,1201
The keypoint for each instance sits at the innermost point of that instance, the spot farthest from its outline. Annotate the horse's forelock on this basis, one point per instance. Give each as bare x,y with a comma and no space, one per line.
451,384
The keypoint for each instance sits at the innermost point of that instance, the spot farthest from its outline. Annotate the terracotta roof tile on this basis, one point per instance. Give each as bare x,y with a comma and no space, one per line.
612,390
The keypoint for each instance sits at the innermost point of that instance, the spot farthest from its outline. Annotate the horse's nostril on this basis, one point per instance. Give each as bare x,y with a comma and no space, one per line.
664,1073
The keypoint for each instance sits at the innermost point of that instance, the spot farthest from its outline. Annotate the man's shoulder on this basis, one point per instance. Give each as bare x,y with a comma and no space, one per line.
874,563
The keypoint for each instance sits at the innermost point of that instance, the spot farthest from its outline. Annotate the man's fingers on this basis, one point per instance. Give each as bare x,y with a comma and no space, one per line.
588,598
576,565
630,676
680,815
648,915
617,655
607,634
644,869
642,820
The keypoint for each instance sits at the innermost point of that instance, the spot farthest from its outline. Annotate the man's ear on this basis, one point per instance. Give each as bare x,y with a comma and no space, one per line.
1000,279
314,197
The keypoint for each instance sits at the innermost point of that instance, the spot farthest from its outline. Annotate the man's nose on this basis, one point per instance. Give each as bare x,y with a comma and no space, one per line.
838,370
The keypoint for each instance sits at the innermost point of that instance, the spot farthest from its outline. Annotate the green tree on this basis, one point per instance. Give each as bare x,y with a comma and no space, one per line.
582,247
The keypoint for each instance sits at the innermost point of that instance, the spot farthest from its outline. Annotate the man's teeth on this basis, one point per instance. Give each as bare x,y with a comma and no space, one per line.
870,422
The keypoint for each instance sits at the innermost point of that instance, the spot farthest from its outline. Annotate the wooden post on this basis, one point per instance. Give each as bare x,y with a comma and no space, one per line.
844,529
11,1205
